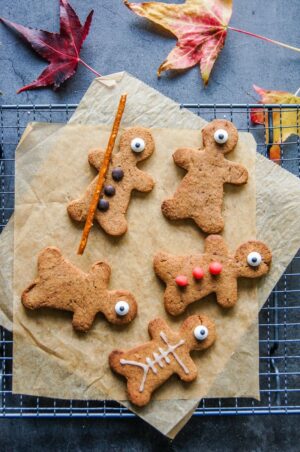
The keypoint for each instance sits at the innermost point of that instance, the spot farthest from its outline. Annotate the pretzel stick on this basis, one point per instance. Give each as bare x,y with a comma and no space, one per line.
102,174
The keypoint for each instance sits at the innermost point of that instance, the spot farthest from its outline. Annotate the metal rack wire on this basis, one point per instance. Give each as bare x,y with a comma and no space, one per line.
279,319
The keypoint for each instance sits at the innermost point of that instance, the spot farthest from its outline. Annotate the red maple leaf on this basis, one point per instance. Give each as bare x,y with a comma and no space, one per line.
61,49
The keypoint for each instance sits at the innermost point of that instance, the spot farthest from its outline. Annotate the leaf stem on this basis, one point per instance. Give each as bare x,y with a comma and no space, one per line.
264,38
89,67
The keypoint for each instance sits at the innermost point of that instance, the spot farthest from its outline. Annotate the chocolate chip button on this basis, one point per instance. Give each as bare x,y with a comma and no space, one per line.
109,190
103,205
117,174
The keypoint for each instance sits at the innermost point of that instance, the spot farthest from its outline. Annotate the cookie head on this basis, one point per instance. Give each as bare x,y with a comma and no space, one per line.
219,135
137,143
253,259
120,308
199,332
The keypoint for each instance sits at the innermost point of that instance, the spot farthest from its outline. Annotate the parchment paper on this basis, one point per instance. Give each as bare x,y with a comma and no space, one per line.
45,134
276,188
76,364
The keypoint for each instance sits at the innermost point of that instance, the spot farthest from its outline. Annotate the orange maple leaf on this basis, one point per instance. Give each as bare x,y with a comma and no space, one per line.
285,122
199,25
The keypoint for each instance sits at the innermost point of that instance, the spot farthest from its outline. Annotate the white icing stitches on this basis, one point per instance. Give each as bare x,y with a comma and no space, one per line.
160,359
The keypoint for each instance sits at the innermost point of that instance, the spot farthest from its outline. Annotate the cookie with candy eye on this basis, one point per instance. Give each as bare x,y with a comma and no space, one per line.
192,277
199,195
149,365
135,145
61,285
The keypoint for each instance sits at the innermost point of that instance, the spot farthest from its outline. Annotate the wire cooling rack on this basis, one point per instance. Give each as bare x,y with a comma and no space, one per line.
279,319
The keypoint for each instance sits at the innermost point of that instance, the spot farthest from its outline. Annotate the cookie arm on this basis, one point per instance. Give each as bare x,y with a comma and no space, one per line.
227,295
190,368
142,181
100,274
162,263
214,244
96,157
156,326
182,157
235,173
49,258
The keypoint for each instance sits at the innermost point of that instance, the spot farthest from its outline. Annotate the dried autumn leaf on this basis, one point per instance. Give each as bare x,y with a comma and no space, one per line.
285,122
201,28
61,49
199,25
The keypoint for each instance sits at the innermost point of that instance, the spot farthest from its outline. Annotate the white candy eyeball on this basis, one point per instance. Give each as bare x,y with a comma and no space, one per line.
221,136
122,308
200,332
137,145
254,259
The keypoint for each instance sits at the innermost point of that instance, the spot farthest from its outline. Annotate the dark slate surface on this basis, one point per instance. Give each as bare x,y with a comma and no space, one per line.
216,434
118,40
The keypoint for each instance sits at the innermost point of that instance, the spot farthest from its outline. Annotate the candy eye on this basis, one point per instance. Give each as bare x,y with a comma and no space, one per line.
200,332
137,145
122,308
254,259
221,136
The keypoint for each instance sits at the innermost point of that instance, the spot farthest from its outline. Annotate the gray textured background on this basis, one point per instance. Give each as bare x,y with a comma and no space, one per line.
119,40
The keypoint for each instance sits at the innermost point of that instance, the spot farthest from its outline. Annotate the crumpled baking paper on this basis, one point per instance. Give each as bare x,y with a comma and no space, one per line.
270,223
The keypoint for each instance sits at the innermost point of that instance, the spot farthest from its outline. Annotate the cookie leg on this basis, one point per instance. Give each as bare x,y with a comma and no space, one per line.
114,362
78,209
209,220
113,223
83,320
173,209
139,398
227,296
32,297
174,304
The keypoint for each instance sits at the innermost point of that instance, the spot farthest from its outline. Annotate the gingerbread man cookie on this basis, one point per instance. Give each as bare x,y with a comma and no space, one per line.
200,194
136,144
190,278
61,285
148,366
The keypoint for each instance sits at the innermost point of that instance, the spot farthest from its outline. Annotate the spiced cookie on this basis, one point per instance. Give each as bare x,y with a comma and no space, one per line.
199,196
61,285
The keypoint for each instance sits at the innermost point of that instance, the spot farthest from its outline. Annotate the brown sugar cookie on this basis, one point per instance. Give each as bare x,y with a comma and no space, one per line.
148,366
199,196
61,285
136,144
190,278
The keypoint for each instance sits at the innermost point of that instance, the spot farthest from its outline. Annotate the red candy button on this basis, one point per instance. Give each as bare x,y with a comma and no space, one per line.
215,268
181,281
198,273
